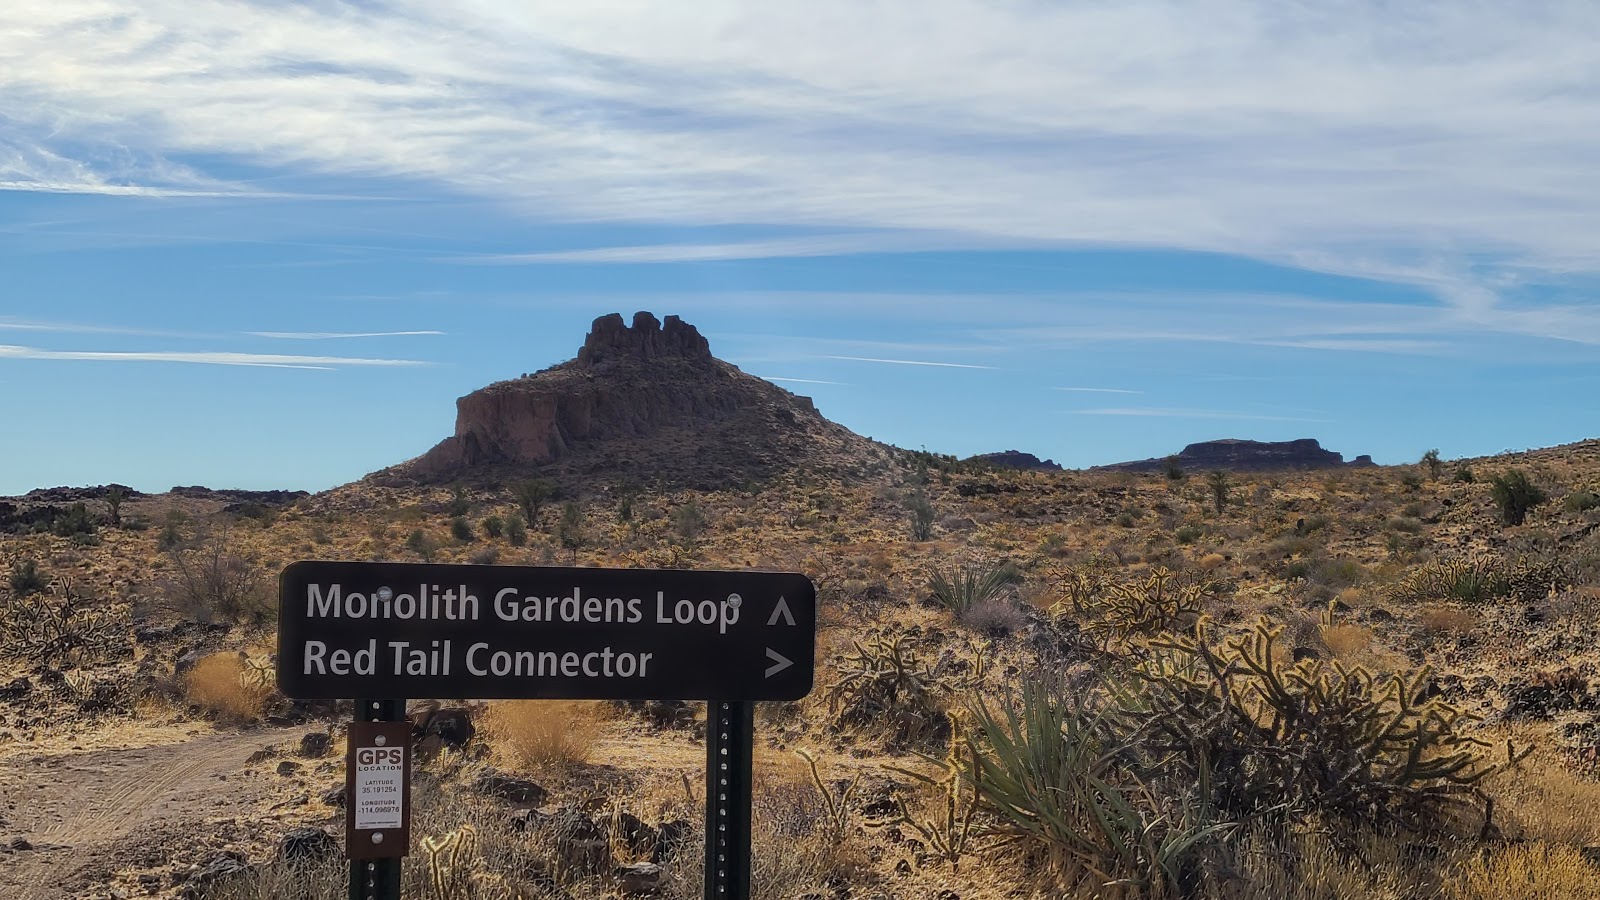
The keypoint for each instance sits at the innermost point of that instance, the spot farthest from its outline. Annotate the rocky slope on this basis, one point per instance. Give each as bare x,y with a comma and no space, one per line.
1016,459
1249,456
647,402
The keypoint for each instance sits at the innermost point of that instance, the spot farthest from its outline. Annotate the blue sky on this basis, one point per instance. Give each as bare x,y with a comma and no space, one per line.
268,244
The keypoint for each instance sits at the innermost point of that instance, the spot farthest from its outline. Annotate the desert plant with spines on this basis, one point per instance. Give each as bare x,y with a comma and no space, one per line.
1305,737
966,586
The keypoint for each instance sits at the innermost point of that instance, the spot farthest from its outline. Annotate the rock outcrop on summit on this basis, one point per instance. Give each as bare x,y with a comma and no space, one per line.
1249,456
647,401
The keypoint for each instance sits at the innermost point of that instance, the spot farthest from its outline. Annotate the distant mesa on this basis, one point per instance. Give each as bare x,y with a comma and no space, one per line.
1016,459
645,400
1249,456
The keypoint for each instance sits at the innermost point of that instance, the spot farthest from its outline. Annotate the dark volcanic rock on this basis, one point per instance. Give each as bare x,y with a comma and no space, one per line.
1248,456
644,397
1016,459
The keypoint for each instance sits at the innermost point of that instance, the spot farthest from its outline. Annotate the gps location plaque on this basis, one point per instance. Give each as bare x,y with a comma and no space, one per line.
353,629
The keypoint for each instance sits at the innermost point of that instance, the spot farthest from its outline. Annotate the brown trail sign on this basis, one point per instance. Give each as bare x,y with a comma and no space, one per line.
396,630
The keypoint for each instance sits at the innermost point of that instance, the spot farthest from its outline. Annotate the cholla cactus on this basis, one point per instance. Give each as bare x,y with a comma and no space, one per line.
886,686
1155,604
1305,736
1476,579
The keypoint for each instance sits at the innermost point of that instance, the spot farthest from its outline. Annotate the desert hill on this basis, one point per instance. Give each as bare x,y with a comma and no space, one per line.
1236,455
646,401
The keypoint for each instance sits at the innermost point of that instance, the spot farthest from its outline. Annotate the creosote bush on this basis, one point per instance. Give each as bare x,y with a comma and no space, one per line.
1516,495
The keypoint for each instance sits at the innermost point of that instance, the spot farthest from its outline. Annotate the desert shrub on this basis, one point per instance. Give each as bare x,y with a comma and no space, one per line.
419,543
1464,475
1220,486
1188,534
531,496
569,532
488,556
1333,572
886,688
76,521
516,532
1306,737
921,514
1156,603
1172,467
493,527
1446,621
1410,481
209,580
964,587
1431,461
545,734
1479,579
460,505
228,686
1516,495
1051,777
996,618
1581,501
460,529
1533,871
25,578
60,626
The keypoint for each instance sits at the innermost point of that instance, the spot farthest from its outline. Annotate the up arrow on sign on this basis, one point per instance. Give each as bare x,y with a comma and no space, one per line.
779,662
782,609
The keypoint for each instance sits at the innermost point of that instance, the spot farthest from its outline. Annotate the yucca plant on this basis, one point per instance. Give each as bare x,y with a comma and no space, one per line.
1052,777
971,585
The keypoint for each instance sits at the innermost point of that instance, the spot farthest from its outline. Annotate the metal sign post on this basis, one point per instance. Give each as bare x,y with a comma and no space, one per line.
378,826
730,751
348,629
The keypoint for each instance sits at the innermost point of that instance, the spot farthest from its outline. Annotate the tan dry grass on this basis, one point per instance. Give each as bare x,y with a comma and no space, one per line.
223,686
549,735
1535,871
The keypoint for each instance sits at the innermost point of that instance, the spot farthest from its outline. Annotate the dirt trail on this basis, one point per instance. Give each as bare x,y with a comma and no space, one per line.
84,810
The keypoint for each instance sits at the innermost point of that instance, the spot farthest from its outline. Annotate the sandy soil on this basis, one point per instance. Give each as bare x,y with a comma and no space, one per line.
91,812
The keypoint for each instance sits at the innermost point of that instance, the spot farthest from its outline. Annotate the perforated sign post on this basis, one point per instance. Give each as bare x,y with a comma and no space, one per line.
397,630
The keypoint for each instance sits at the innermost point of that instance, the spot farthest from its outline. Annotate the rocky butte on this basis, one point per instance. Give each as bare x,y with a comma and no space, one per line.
1249,456
646,401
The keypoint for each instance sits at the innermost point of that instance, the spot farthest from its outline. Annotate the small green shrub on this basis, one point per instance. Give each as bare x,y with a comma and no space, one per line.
1581,501
493,527
25,578
1188,534
516,532
461,530
1220,486
460,505
74,522
1464,475
1516,495
419,543
921,512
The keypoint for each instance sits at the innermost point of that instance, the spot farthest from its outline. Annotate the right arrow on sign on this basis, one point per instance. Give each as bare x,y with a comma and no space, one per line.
780,662
782,609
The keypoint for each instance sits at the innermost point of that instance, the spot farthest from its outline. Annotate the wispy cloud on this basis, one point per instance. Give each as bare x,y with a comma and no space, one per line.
1422,147
213,358
1091,390
1179,413
909,362
331,335
802,380
811,245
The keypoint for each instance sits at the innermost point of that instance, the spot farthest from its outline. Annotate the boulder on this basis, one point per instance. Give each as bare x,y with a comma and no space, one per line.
314,744
639,878
509,787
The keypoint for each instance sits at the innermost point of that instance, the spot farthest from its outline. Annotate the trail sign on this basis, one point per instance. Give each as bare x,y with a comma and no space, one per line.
354,629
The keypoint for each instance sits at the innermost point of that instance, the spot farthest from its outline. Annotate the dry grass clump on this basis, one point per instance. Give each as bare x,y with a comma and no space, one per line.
1317,864
228,687
1480,579
1535,871
552,735
1445,621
